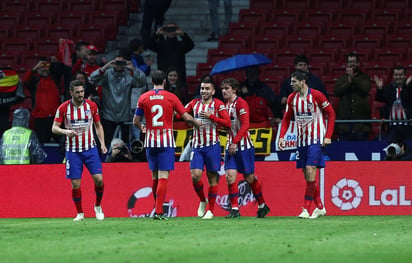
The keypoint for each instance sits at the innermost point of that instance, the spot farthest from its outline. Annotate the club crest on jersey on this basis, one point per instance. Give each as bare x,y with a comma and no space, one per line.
310,105
88,113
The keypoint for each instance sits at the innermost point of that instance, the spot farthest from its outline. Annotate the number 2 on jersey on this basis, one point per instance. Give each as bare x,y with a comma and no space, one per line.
159,113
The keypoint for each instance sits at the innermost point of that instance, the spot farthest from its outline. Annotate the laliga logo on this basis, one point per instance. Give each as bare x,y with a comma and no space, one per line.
346,194
169,208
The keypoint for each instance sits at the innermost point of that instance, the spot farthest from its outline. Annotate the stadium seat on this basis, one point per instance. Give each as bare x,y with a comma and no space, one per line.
276,29
365,54
59,31
10,18
372,28
216,55
242,29
39,18
337,68
16,45
256,16
370,41
295,41
378,68
386,14
398,40
286,55
318,68
291,15
32,58
329,81
236,42
274,82
108,16
349,15
264,51
113,5
280,70
334,41
84,5
46,45
402,4
72,17
8,59
403,27
335,4
28,32
192,83
322,55
319,15
16,6
309,29
203,68
263,4
96,32
334,101
4,32
50,6
295,4
266,42
361,4
342,28
390,54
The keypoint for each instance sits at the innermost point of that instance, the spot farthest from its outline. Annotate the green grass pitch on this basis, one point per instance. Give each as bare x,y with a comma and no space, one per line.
184,239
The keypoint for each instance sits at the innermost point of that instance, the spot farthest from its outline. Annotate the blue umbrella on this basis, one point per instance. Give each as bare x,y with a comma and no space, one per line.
240,61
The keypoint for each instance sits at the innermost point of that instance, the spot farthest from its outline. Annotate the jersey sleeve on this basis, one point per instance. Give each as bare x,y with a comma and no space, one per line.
287,117
95,111
59,117
139,108
242,110
177,105
222,118
329,111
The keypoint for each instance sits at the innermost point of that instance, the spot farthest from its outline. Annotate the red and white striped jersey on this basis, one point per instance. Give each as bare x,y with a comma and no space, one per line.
308,112
239,131
397,111
208,133
158,107
79,119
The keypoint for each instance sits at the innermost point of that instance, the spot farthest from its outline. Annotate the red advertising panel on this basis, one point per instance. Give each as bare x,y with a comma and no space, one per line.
368,188
349,188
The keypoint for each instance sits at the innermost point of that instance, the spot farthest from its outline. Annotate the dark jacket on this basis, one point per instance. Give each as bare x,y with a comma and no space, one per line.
172,52
388,96
353,102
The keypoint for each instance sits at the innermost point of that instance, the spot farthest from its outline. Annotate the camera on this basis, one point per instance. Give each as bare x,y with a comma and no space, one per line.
170,29
120,63
123,150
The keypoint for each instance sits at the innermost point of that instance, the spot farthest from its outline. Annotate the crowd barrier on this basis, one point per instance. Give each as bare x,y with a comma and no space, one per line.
348,188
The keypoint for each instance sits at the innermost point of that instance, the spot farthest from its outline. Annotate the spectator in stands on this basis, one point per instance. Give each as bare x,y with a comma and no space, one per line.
352,89
90,91
80,51
20,145
314,82
119,152
171,44
398,150
397,97
214,18
153,10
43,82
88,62
209,79
117,78
11,93
137,58
261,99
175,85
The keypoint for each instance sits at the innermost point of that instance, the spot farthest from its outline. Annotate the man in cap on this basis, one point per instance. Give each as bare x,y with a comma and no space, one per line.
88,63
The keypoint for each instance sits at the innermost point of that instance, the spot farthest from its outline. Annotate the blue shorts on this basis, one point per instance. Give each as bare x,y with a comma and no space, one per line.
209,156
75,161
161,159
242,161
310,156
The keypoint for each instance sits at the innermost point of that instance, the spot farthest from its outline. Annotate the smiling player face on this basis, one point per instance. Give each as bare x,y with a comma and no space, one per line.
207,90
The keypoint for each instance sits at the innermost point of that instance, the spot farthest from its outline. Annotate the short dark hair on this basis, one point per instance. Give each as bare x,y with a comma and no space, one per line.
135,44
301,58
75,83
208,79
352,54
231,82
81,44
299,75
158,77
400,67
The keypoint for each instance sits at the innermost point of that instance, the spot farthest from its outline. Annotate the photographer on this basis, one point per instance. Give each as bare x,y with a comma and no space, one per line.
352,89
398,150
120,152
171,45
117,78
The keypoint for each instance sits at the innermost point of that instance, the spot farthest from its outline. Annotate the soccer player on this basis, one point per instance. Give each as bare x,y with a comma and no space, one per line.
240,152
309,106
209,113
79,115
158,107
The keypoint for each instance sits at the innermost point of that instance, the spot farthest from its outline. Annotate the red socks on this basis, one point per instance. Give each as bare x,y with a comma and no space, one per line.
160,195
309,194
99,194
233,195
198,186
257,191
154,188
318,201
77,199
212,197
